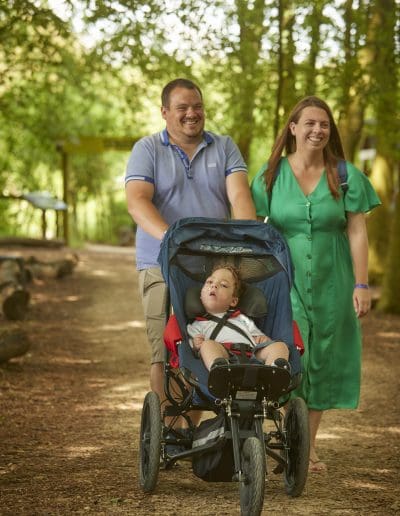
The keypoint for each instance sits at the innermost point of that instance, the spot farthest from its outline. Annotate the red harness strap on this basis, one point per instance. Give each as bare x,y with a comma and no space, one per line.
238,349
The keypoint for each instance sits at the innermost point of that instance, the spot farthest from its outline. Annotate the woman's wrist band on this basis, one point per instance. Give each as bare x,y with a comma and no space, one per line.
361,285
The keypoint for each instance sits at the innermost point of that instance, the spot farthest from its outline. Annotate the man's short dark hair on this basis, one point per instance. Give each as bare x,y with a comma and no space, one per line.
177,83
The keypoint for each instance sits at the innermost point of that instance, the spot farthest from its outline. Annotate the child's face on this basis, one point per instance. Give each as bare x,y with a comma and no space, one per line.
217,294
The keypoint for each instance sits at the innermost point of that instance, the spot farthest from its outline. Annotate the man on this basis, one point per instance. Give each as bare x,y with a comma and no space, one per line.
182,171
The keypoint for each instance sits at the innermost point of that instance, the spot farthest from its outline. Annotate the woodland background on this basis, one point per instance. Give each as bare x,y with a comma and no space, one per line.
73,69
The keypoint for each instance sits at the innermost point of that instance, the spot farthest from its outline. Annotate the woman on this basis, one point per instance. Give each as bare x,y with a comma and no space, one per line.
325,228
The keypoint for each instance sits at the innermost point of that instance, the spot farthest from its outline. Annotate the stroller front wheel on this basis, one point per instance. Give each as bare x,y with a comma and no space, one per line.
150,442
253,484
298,447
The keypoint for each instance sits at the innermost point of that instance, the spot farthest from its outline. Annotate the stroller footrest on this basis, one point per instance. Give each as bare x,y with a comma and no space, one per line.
239,380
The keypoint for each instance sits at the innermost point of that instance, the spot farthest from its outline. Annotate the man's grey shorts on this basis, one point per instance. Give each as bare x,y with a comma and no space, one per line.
153,292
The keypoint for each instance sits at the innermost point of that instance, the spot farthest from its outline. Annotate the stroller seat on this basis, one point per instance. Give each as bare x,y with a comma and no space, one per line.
242,378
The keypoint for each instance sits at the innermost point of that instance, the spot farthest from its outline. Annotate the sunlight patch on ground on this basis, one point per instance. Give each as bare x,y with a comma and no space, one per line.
126,387
127,406
81,451
72,298
389,334
122,326
367,485
136,406
102,273
68,360
327,435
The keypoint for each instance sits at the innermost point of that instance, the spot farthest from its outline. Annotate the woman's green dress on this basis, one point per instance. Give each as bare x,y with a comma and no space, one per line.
314,227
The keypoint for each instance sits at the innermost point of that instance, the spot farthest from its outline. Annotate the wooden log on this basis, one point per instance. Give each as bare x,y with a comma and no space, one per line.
14,302
56,269
31,242
13,344
10,270
14,298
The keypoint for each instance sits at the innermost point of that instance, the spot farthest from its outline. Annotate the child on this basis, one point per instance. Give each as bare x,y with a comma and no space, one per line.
219,294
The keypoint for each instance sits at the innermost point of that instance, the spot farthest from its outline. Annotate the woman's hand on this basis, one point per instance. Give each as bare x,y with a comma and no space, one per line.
361,301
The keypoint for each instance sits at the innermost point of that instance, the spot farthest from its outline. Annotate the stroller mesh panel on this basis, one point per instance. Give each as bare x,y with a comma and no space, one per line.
252,268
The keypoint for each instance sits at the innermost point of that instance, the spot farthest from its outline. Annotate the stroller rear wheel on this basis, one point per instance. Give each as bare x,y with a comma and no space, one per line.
150,442
252,486
298,443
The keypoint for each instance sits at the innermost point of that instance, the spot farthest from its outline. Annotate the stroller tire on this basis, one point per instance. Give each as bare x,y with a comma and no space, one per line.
253,484
298,447
150,442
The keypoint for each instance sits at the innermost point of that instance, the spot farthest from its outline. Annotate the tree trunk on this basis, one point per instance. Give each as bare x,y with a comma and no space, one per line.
385,170
356,80
390,299
247,80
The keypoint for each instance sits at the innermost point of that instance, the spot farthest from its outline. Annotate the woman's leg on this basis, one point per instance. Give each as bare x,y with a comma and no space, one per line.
315,417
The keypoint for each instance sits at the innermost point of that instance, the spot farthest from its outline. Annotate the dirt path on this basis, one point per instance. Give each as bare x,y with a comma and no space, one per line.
70,413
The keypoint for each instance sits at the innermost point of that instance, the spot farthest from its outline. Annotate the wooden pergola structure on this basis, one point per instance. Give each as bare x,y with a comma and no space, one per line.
85,145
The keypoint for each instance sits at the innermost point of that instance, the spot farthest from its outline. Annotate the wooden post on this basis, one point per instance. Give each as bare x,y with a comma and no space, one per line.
44,225
65,172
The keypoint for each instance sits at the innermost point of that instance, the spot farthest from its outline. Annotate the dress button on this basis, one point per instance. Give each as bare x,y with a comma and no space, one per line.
309,290
309,307
309,256
309,237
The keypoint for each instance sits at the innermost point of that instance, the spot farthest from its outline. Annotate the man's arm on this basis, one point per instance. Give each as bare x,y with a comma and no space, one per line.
237,188
139,195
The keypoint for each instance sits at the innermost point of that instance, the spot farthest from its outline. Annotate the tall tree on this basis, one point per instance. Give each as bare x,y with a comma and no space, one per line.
385,170
356,74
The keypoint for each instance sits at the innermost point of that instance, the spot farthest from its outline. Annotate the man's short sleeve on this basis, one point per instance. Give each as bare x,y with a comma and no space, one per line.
141,162
234,159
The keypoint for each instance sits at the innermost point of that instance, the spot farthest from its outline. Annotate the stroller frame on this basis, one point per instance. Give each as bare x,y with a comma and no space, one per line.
247,394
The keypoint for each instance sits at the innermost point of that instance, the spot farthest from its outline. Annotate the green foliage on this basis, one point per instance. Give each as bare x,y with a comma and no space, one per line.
253,59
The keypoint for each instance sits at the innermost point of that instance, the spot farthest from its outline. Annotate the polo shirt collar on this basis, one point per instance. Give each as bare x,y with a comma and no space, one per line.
207,137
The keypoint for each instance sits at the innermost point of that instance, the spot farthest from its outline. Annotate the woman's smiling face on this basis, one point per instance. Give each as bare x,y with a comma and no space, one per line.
312,131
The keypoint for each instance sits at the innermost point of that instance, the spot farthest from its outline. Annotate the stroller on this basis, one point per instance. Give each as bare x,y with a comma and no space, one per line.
243,394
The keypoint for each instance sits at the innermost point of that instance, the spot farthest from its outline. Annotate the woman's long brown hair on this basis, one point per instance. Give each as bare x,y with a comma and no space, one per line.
332,152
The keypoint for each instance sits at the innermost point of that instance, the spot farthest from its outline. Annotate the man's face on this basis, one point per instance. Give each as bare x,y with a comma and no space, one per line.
184,116
218,292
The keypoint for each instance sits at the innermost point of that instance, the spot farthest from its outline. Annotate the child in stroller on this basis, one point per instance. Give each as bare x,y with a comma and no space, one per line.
242,394
214,335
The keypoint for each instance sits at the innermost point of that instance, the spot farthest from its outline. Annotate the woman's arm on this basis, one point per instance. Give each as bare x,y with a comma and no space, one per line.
358,239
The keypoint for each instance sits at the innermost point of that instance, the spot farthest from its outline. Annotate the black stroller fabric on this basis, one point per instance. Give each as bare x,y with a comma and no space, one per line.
216,464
